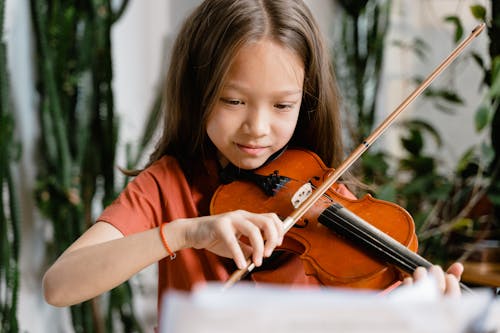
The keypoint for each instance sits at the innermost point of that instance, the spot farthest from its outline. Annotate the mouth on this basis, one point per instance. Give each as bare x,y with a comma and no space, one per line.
251,149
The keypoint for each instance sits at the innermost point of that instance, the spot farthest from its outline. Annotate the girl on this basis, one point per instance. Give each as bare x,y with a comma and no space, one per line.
247,79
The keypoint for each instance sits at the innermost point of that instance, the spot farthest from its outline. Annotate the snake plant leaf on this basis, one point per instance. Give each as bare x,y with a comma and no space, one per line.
79,126
10,237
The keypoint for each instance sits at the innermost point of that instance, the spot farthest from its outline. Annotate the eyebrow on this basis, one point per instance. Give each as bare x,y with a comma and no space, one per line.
236,86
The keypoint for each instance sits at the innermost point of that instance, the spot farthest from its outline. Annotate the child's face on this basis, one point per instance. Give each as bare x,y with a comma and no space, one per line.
259,105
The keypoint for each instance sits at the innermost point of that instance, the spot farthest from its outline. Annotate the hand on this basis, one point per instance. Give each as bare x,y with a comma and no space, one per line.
220,234
447,282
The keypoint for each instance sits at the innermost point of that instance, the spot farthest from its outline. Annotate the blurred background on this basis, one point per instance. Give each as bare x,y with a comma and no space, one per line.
80,84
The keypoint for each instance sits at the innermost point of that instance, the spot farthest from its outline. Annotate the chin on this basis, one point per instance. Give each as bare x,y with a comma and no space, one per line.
249,163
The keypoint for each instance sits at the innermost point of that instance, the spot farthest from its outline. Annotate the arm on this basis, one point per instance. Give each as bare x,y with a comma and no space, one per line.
98,261
102,258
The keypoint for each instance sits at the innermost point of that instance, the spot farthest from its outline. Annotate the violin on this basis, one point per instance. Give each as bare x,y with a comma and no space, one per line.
325,251
325,228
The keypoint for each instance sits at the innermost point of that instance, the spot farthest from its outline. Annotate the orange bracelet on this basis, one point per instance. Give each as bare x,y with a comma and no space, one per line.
164,241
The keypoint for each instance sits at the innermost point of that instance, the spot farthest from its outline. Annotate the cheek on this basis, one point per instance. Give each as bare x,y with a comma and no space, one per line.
216,126
287,132
287,128
211,128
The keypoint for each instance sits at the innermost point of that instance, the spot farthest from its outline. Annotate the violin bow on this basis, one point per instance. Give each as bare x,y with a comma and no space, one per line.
290,221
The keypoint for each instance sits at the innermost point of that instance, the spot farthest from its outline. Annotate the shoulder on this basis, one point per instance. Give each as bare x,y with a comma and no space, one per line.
166,163
163,174
166,166
155,195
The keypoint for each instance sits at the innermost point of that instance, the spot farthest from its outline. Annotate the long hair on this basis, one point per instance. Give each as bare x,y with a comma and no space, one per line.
202,54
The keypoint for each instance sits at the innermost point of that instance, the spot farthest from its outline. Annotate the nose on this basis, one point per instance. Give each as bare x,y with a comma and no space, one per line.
258,121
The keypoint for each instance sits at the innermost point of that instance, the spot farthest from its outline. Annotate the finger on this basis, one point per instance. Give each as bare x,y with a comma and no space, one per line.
452,286
228,235
456,269
271,228
253,233
419,273
407,281
438,274
273,233
247,249
268,227
280,228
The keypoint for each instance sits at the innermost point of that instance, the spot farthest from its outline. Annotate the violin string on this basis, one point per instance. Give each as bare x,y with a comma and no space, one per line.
405,259
383,248
314,187
406,262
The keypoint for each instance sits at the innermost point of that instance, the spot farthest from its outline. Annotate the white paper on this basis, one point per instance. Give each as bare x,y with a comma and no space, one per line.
246,308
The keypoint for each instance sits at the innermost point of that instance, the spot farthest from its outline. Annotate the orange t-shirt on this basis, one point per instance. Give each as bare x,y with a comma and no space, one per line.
161,193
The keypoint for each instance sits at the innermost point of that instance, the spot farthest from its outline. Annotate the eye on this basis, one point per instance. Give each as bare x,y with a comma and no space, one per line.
283,106
232,101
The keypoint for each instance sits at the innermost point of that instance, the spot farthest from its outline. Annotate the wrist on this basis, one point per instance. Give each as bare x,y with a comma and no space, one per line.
165,241
175,234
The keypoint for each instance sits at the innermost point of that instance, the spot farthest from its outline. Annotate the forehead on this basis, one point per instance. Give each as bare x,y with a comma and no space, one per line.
267,62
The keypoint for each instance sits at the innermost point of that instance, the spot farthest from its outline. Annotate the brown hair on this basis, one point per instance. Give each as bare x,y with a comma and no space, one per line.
202,54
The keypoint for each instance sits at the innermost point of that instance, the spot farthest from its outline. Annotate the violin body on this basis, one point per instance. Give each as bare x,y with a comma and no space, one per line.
334,260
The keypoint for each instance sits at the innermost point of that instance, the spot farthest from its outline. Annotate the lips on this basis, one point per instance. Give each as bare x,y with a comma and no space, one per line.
251,150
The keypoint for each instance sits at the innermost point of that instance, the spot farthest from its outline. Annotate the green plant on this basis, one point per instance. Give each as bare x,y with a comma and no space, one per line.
9,212
478,222
488,115
467,199
440,201
79,130
359,59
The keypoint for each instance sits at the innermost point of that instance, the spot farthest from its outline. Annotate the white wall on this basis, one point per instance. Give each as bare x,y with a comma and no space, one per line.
140,39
